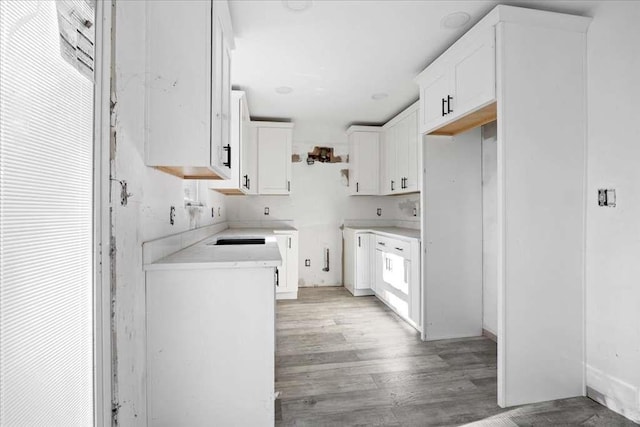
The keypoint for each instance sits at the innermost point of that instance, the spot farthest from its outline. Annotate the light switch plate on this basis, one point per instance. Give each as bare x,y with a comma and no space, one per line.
607,197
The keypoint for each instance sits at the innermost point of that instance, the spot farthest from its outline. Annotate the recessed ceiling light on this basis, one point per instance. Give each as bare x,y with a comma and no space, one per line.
297,5
379,96
284,90
455,20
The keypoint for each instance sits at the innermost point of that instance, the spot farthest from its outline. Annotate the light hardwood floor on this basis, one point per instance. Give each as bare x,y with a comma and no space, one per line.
345,361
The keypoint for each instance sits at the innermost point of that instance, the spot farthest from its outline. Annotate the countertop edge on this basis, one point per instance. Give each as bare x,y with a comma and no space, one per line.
386,233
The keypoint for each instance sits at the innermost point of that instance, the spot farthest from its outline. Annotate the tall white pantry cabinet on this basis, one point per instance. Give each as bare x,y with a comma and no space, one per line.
526,69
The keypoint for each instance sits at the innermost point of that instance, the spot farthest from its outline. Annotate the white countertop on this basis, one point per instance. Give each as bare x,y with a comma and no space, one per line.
204,255
389,231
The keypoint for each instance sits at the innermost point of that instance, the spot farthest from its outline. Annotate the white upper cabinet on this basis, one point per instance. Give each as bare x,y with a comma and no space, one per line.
249,153
364,160
461,81
474,70
188,91
435,88
239,182
401,153
389,184
249,166
414,154
274,157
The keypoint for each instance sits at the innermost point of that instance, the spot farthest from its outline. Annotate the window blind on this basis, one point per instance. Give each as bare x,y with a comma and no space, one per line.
46,163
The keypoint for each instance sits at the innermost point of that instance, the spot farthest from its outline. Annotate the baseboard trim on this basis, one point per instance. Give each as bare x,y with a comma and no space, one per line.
490,335
287,295
361,292
322,285
613,393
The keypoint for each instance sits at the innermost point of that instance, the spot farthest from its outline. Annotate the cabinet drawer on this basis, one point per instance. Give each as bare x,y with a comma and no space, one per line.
396,246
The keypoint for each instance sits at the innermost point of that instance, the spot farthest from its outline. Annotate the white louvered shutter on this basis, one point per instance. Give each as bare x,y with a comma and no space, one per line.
46,167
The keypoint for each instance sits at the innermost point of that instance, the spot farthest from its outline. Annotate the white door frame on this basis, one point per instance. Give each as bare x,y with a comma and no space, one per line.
102,220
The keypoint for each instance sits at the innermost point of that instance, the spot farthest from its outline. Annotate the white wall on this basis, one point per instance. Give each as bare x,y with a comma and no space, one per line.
145,217
319,204
613,234
490,228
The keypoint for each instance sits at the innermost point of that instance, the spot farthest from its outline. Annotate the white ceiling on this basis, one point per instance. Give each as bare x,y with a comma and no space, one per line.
337,54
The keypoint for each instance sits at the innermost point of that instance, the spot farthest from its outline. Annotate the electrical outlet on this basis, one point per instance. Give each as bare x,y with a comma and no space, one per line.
307,263
379,211
266,211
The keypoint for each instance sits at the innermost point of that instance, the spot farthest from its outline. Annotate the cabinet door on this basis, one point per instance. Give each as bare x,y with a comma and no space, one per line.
237,142
220,107
282,285
292,263
225,99
391,183
474,74
364,157
378,268
250,157
433,109
178,86
274,160
413,154
363,261
414,291
245,145
402,154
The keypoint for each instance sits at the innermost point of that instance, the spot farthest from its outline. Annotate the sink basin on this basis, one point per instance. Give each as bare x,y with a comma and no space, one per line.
239,241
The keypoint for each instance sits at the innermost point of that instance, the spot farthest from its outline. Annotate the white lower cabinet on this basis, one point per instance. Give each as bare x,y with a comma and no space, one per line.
397,277
386,266
210,346
358,268
287,273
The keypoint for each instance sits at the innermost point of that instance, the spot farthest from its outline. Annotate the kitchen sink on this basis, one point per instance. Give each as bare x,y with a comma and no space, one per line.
239,241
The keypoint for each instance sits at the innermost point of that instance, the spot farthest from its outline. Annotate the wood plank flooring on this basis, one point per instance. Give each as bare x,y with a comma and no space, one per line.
347,361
